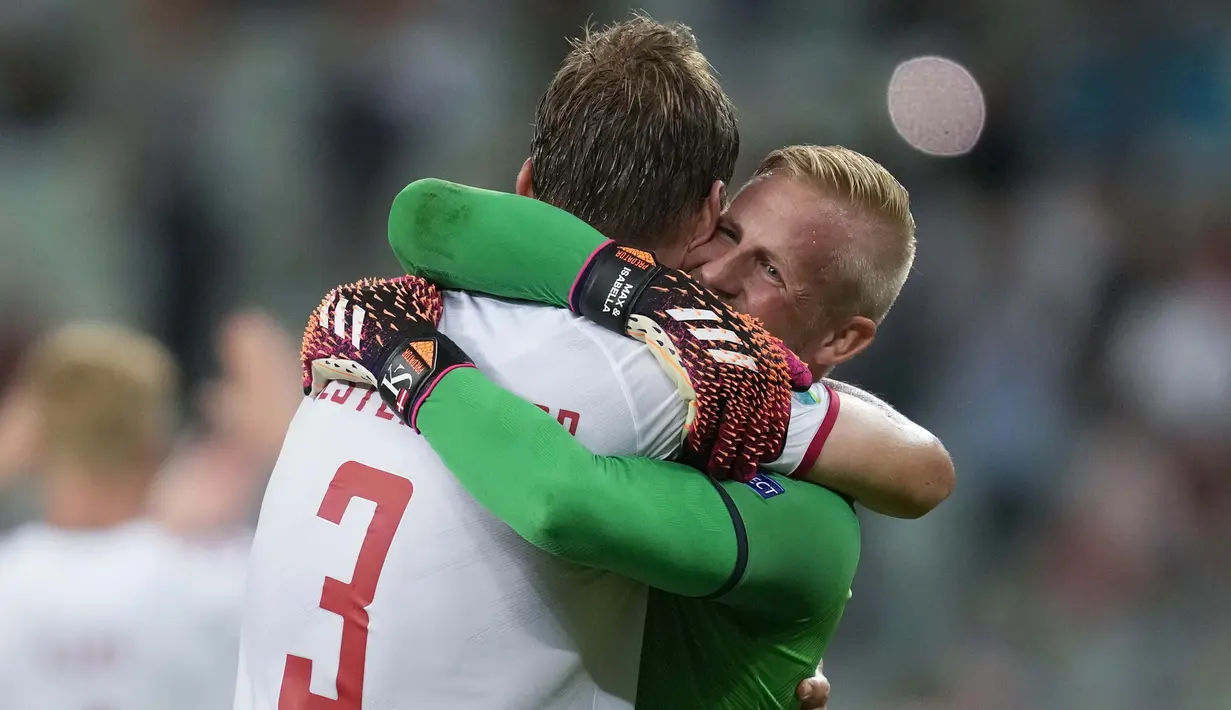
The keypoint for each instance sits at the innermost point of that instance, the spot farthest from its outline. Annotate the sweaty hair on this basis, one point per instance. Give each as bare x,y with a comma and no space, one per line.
104,394
633,131
866,274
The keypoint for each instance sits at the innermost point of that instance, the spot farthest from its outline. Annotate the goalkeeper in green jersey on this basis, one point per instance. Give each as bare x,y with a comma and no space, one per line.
756,574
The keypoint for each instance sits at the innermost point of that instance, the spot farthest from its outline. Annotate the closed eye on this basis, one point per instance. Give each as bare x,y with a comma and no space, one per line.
728,232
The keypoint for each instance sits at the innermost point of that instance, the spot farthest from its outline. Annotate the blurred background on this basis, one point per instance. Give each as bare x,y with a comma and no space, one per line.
205,169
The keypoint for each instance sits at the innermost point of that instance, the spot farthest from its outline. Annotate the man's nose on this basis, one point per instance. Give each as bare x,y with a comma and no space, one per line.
721,277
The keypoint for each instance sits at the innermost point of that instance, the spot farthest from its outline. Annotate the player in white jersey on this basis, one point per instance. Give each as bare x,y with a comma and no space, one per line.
99,608
458,590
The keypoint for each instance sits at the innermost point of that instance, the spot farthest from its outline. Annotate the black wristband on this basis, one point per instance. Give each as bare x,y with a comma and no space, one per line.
611,284
409,369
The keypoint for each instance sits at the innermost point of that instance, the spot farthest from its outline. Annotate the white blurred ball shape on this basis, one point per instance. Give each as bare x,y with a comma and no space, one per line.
936,106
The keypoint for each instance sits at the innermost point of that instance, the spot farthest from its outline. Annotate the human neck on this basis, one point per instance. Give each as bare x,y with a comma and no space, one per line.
669,248
78,497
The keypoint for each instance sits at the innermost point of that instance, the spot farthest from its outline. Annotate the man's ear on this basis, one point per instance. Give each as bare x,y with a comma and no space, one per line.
525,181
707,219
845,342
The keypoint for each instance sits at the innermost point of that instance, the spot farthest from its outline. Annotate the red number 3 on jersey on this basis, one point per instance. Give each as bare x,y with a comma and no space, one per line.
391,494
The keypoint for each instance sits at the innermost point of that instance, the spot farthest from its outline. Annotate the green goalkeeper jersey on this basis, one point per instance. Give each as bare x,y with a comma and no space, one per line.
749,579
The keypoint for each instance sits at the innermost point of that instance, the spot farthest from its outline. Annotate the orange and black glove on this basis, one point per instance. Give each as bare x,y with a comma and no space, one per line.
382,333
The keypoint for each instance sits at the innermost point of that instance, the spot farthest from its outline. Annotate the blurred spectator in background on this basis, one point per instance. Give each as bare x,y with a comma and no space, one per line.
100,607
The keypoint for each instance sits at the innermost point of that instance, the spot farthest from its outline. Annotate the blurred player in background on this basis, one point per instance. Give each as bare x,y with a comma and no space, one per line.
100,608
213,478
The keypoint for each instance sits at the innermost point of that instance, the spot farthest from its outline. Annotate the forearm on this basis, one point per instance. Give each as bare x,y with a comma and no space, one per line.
883,460
492,242
657,522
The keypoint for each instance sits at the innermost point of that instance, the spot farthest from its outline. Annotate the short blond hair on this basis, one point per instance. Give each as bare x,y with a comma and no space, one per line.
104,394
867,275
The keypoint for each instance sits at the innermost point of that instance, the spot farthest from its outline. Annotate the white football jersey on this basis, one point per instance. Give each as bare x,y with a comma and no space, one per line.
377,581
127,618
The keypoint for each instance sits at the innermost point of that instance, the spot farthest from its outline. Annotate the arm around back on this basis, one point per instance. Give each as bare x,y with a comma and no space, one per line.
883,460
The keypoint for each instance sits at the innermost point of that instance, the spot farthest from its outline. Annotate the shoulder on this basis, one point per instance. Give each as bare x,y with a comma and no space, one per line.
531,347
519,324
467,305
659,414
500,330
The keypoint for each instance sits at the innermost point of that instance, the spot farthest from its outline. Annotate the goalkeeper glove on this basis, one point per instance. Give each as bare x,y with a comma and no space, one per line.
736,377
382,333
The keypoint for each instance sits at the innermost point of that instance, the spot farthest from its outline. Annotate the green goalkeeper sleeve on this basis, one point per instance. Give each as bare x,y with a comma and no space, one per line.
492,242
789,555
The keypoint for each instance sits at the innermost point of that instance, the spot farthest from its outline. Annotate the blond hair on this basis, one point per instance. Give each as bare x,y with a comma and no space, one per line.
633,131
867,274
104,394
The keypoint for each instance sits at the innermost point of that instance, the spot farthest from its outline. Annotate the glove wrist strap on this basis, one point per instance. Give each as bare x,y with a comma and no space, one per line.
611,283
411,368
